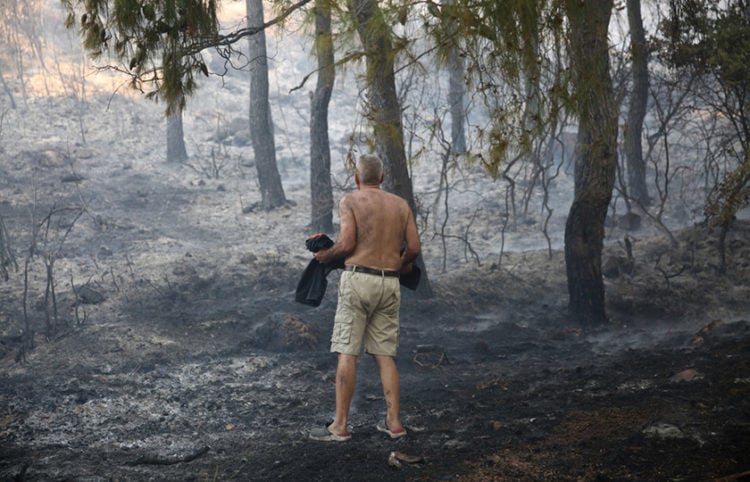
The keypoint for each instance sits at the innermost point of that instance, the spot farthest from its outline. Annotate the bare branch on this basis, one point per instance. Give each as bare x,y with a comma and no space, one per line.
237,35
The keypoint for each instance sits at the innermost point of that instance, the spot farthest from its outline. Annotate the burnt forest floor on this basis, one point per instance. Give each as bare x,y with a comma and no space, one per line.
216,374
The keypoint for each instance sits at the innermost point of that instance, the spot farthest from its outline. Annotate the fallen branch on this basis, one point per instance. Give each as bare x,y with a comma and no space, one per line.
395,459
156,460
668,276
738,476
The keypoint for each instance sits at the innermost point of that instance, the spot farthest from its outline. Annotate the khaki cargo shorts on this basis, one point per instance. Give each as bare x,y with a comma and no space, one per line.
368,308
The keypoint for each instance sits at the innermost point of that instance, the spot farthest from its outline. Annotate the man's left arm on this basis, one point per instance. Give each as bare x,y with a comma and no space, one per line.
413,246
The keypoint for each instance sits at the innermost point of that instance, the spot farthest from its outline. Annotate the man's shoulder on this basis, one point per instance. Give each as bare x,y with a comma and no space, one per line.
359,196
399,200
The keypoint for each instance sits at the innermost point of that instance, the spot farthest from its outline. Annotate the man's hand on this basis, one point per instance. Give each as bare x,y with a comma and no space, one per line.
323,256
406,268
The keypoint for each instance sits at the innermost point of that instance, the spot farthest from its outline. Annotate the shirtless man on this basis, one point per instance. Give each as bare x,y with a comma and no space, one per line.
374,225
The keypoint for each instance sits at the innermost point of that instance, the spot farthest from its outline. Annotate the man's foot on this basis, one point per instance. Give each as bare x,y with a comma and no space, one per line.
393,433
325,435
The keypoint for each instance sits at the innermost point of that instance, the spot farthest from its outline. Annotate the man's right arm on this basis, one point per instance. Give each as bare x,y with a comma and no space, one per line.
347,240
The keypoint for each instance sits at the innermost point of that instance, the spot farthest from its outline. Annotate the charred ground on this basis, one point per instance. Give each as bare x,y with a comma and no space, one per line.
218,374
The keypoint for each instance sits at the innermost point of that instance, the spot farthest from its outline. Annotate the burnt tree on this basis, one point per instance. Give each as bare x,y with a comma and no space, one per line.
321,192
261,124
176,151
596,157
384,110
456,88
636,165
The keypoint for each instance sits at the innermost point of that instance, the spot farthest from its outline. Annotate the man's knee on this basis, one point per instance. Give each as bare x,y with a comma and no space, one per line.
384,360
346,360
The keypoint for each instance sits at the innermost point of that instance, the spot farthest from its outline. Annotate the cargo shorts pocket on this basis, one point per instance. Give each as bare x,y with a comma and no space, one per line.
342,331
344,320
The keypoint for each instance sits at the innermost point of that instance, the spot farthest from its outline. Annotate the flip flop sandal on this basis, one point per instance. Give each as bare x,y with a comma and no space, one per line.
322,434
391,433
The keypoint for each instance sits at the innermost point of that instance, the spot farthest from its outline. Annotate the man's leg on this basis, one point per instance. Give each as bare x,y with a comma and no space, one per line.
346,380
390,381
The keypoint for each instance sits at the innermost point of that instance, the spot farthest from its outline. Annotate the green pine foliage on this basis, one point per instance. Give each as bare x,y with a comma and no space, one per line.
514,55
731,196
157,42
712,38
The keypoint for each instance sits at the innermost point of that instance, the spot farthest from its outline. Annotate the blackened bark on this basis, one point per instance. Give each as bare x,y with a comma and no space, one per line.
8,91
384,111
261,124
176,151
636,165
456,91
596,160
321,192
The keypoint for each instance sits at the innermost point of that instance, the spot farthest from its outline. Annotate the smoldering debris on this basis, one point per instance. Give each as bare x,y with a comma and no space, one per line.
430,356
396,458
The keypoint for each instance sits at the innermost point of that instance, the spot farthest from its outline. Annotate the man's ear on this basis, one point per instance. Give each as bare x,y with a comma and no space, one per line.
356,179
382,177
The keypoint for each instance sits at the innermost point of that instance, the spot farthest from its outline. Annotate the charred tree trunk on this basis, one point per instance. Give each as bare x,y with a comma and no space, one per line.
384,110
321,192
7,258
7,90
456,91
261,124
636,165
176,151
596,160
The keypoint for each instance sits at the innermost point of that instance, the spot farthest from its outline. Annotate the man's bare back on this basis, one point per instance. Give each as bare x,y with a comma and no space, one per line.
381,223
374,224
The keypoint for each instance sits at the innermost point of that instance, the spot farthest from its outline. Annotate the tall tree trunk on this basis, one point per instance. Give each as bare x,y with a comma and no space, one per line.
636,166
456,91
7,90
176,151
261,124
13,39
384,111
321,191
596,160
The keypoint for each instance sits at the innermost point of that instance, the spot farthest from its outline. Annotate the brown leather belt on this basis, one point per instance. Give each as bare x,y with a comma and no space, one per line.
377,272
